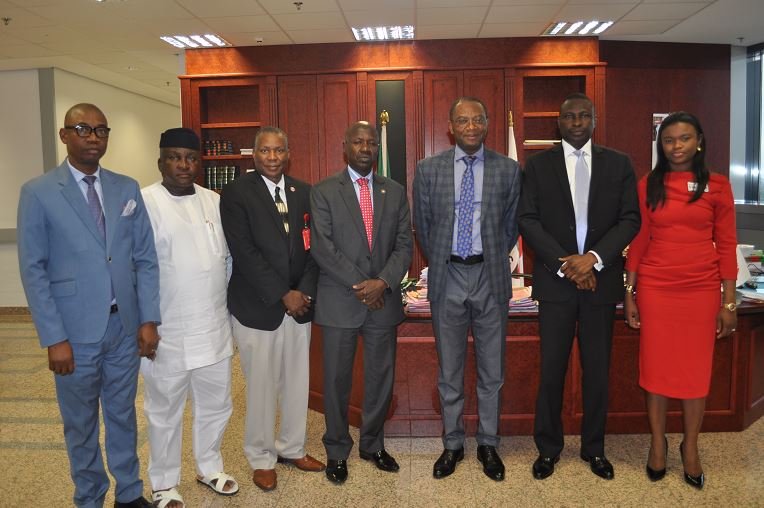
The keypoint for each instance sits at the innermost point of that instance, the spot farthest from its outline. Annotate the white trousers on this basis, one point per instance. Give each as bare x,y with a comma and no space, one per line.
275,365
164,402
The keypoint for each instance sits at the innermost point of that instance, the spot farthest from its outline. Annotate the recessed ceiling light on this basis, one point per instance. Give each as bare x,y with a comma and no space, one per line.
195,41
383,33
593,27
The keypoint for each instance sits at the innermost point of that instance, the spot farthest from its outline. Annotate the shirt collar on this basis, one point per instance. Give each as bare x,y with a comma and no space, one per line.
355,176
459,153
272,186
568,149
79,175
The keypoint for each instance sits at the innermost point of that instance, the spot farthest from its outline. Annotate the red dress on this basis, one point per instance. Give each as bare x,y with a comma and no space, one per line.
681,254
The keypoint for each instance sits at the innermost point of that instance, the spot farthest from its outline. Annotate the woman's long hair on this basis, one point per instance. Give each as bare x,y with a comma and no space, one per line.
656,190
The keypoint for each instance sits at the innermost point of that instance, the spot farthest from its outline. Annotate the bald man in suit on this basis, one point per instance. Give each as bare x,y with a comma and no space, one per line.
361,240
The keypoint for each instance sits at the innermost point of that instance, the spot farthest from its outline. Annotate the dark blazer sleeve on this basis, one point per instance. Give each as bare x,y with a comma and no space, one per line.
623,189
546,247
399,258
327,254
235,206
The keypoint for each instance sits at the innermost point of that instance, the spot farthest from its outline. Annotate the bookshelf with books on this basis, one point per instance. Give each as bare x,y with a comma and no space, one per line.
227,113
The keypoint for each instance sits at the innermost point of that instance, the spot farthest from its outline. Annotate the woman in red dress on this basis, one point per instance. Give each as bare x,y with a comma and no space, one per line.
684,251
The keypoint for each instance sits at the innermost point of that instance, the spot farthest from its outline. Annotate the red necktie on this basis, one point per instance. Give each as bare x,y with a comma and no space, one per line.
367,212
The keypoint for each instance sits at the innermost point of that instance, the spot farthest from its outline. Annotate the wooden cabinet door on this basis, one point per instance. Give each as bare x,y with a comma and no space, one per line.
441,88
488,86
298,111
337,109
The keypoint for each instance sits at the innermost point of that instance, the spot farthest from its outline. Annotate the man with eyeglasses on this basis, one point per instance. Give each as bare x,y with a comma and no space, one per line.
465,200
196,348
578,211
90,274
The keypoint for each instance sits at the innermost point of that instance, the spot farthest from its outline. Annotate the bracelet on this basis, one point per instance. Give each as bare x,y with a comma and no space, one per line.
629,288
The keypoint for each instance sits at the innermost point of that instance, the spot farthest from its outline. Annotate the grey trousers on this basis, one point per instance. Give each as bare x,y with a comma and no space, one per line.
339,345
467,303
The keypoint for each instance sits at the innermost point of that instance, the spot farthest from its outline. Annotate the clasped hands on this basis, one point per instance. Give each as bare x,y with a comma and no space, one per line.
579,269
371,292
296,302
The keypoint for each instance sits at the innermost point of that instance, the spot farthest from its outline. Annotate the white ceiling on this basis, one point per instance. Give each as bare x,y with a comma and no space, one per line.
117,41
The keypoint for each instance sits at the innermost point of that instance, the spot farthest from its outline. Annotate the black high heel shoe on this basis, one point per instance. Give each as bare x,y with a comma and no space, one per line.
692,481
657,474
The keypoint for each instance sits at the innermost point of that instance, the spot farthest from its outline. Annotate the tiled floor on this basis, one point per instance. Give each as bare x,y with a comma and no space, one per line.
35,466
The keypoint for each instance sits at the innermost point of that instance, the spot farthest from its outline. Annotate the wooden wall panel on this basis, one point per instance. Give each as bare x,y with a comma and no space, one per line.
298,110
647,78
488,86
441,88
337,109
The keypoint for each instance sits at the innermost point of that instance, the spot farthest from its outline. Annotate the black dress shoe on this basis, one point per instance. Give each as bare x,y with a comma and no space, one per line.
692,481
446,463
493,467
140,502
543,467
337,471
381,459
600,466
657,474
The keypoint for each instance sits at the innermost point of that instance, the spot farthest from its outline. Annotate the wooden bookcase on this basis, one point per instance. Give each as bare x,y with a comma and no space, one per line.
539,93
228,108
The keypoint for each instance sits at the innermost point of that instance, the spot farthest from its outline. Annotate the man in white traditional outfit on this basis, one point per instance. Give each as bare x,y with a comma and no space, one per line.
196,347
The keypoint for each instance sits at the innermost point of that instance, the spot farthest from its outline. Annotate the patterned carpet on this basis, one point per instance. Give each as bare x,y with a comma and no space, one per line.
36,468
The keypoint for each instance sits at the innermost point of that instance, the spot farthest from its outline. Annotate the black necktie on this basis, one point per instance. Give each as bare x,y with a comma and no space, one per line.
282,208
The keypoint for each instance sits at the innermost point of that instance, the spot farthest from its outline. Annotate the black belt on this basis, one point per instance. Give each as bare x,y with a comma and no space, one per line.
469,260
113,308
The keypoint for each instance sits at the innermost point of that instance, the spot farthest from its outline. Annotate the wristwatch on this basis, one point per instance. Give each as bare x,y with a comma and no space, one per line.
732,307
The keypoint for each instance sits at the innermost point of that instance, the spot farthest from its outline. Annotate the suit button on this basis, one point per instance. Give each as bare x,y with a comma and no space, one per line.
108,259
572,228
368,257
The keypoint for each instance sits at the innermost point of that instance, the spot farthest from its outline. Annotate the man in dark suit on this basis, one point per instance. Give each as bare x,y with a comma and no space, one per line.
265,216
465,201
362,242
578,211
91,278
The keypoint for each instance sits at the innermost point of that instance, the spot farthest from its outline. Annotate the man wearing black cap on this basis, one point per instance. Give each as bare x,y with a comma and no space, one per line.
196,347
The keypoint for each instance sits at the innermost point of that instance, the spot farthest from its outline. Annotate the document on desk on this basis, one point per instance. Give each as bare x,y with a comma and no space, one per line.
752,294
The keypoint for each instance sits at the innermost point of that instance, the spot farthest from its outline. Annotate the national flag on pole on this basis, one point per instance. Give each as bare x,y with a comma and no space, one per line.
383,161
516,254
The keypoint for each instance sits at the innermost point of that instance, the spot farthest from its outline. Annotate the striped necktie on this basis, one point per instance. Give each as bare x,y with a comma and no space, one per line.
283,210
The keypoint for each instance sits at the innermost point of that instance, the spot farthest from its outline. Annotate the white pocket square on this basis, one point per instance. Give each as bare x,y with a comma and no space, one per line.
129,208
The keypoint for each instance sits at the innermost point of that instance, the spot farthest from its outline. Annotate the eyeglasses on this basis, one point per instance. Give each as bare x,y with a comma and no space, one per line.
84,130
462,121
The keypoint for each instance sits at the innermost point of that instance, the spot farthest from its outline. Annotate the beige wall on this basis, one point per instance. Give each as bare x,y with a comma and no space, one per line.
136,123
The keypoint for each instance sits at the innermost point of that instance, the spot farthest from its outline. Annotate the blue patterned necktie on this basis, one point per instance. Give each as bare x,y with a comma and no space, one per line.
466,209
94,204
581,199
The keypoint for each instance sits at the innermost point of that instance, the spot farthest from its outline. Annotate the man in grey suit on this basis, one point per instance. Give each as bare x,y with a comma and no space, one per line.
465,201
91,278
361,240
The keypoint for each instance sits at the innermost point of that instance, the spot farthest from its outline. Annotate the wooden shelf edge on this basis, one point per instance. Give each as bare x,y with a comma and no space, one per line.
224,157
230,125
541,114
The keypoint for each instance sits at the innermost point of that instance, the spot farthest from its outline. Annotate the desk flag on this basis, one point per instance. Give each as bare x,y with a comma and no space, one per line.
383,161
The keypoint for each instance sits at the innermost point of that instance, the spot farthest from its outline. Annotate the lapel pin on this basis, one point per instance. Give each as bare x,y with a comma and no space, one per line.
382,191
291,189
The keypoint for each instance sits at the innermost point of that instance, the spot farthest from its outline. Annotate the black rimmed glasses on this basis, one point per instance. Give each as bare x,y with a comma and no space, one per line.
84,130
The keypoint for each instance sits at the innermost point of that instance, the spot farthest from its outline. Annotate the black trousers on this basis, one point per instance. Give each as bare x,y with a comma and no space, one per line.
558,322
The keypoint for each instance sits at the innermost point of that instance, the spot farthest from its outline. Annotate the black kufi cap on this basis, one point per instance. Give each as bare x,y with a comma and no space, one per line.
179,137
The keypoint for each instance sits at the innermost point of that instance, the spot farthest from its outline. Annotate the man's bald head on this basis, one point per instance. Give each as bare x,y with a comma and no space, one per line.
79,109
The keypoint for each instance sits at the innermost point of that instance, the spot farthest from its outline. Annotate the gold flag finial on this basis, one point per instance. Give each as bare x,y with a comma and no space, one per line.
510,121
384,117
